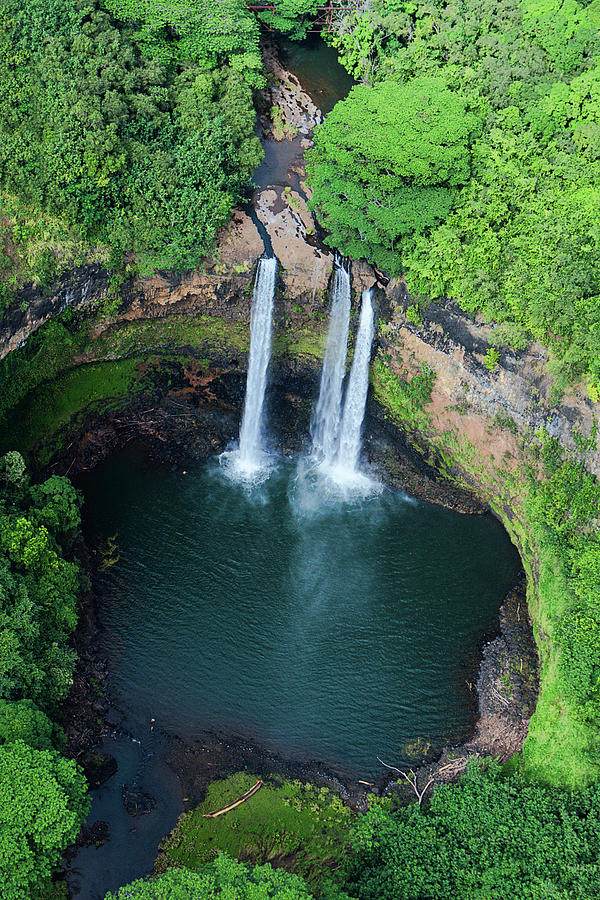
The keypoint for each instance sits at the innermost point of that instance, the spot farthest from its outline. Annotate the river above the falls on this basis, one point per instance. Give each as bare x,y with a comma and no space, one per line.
319,627
318,69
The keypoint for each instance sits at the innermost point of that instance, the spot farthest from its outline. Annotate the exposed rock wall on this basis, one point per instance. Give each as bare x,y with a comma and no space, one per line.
79,288
495,410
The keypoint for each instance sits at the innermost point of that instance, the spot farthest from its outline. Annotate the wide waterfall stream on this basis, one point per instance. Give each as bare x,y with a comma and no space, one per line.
326,417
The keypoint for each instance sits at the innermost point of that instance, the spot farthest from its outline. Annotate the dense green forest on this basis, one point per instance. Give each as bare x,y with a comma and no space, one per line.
42,796
140,139
482,184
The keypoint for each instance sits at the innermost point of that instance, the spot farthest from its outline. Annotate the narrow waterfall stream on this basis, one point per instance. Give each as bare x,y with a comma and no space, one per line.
326,418
251,451
356,392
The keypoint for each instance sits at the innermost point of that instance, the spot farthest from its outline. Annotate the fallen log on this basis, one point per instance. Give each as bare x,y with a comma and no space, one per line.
256,787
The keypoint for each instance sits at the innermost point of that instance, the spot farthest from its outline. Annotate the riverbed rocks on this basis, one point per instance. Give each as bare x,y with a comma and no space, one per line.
94,835
290,109
98,767
136,801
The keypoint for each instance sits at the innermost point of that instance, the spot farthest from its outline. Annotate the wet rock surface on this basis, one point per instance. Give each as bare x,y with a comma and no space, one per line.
98,767
94,835
136,801
183,417
298,114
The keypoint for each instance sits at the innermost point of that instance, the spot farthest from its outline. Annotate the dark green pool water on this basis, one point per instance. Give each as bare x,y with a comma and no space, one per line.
317,627
316,66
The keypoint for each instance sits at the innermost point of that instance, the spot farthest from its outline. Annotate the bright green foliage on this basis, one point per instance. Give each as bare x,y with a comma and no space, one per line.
42,796
225,878
564,29
291,820
57,506
522,244
565,508
36,247
487,837
404,397
357,44
42,805
90,131
291,16
521,241
38,588
387,164
206,29
23,721
491,359
12,470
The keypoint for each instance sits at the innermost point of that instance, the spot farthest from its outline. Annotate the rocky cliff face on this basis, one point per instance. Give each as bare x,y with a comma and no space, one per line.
79,288
495,410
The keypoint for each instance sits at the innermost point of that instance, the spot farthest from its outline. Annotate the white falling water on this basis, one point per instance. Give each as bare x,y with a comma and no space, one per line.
356,392
250,456
326,417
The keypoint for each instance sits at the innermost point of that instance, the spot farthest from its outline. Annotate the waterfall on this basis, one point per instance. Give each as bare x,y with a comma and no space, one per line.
251,450
326,417
356,392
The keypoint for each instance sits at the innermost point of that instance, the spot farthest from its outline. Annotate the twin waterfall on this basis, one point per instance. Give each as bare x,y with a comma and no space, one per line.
356,392
335,425
325,423
336,433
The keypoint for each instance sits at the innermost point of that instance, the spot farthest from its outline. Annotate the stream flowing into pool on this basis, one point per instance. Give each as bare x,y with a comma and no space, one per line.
317,625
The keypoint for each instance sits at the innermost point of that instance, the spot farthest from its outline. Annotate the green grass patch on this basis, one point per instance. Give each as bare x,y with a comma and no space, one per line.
304,827
404,398
99,386
168,335
300,342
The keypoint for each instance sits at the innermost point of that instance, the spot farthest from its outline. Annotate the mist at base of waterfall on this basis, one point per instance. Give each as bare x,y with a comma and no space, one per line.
247,471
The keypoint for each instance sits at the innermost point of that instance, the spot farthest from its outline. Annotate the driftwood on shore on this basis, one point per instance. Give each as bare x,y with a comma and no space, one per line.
243,798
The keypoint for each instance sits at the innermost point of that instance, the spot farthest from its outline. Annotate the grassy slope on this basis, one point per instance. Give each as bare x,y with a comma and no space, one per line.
287,823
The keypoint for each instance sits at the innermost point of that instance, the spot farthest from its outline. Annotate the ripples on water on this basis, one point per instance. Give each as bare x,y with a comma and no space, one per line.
323,625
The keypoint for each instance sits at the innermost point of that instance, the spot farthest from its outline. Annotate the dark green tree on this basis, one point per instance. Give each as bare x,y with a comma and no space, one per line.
25,722
488,836
225,878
